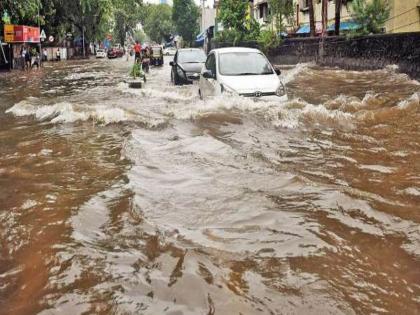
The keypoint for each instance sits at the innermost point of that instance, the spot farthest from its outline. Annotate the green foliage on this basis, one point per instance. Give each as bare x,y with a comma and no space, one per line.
238,25
139,36
232,14
157,22
371,15
84,15
185,18
20,11
281,10
126,16
268,39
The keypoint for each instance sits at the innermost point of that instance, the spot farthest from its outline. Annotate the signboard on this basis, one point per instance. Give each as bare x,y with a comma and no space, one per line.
9,33
21,34
43,36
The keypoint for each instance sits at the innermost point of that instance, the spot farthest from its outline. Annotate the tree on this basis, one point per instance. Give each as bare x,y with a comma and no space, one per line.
21,12
185,18
87,16
281,10
371,16
126,15
237,22
338,5
232,15
158,22
311,18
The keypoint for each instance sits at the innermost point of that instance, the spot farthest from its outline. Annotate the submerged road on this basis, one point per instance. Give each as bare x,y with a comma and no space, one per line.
121,201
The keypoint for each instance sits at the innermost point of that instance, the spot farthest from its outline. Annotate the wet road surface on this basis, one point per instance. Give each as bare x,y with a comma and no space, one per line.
121,201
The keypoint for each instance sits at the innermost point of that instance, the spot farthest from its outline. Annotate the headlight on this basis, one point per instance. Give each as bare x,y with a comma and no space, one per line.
281,90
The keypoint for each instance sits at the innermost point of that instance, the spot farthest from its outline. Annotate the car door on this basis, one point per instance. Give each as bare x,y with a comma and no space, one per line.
207,85
174,65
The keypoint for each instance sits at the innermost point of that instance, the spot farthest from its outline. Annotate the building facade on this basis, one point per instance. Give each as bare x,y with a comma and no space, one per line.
404,16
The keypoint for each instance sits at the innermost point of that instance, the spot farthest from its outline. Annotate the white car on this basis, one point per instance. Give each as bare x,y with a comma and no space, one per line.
240,71
169,51
100,53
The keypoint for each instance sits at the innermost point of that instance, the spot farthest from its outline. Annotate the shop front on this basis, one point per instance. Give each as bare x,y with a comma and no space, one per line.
17,38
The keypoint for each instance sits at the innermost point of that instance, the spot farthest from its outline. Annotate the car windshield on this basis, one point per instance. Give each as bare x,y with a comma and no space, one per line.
191,56
100,50
244,63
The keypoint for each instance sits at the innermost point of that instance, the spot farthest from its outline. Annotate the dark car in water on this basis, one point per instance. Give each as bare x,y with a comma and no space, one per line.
187,65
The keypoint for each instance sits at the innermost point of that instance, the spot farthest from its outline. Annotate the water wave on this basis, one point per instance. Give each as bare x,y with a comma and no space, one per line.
65,112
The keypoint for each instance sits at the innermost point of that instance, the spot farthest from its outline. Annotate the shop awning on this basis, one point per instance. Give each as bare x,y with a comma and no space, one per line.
305,29
199,40
345,26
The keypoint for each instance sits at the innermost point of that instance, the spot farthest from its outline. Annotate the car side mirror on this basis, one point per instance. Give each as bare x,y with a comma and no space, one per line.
208,74
278,72
171,63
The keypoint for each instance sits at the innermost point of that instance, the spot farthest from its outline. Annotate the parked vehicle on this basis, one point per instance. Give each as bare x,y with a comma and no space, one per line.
187,65
169,51
100,53
241,71
156,58
115,52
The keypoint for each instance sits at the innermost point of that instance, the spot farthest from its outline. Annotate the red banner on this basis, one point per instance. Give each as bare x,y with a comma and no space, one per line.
21,34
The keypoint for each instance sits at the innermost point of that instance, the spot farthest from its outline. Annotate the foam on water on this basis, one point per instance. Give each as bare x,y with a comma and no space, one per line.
290,75
65,112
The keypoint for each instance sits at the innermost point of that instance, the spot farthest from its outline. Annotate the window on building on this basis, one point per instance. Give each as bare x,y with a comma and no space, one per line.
263,11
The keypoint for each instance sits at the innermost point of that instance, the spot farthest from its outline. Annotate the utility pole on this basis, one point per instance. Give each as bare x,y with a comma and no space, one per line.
83,36
311,18
83,29
202,15
39,26
338,4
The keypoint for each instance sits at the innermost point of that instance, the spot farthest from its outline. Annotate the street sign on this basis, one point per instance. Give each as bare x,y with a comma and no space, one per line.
51,38
43,36
9,33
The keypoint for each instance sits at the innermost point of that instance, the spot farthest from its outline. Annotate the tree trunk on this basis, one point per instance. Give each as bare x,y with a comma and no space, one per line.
338,4
324,14
311,18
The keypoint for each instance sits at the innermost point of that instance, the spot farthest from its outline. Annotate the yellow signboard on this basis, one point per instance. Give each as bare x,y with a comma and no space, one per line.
9,33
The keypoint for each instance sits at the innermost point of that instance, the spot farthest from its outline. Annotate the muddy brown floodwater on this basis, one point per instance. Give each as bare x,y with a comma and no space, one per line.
120,201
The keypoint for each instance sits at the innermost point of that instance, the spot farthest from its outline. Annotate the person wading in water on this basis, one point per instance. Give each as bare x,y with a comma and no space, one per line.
137,50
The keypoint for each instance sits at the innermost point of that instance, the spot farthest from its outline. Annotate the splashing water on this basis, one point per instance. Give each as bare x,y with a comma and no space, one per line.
151,201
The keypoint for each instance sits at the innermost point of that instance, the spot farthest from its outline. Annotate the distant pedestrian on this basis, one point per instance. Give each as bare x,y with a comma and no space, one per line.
57,54
36,61
22,57
45,55
28,59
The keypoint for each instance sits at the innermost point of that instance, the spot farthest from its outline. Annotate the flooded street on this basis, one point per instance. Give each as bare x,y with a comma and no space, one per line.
151,201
